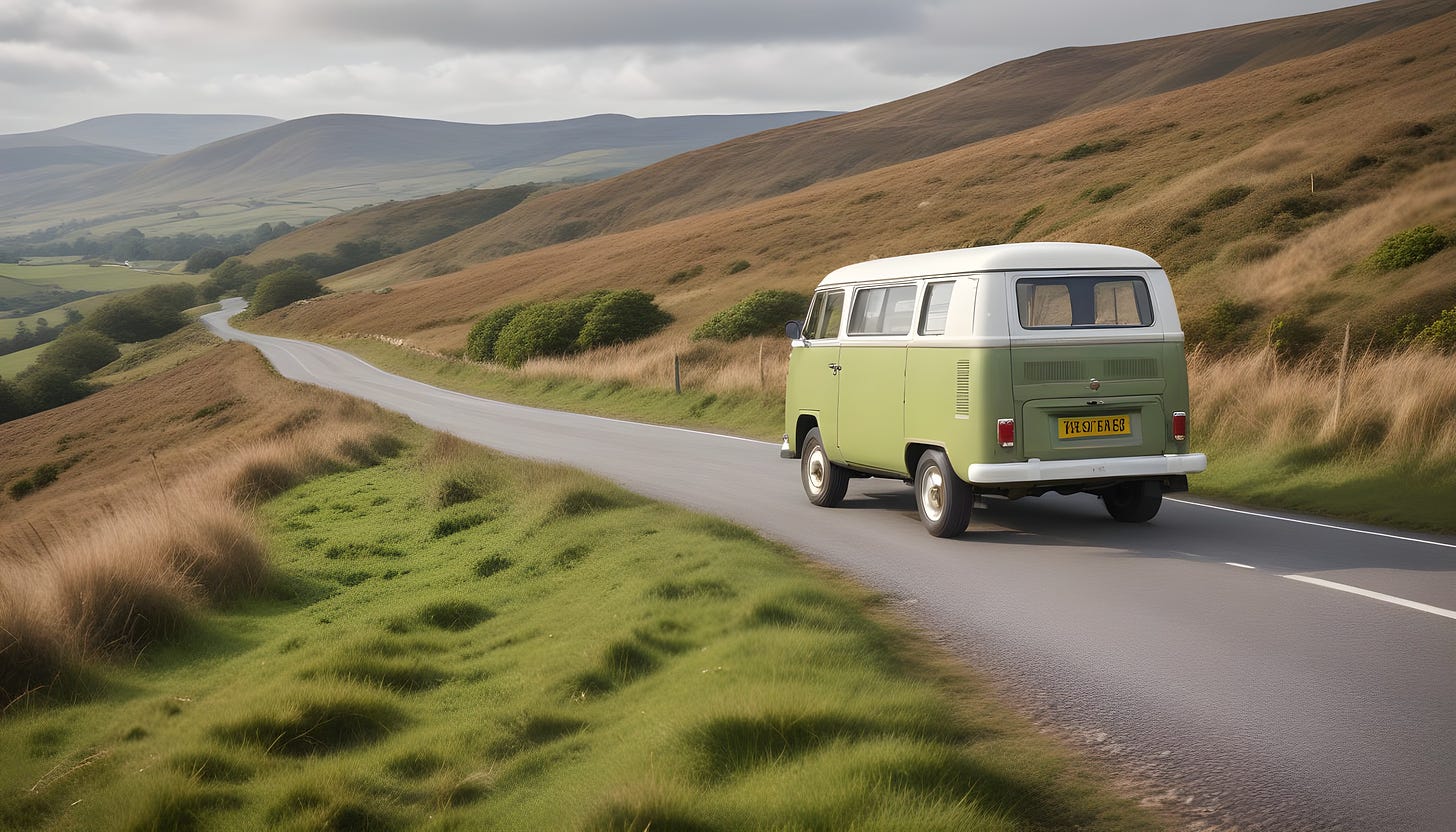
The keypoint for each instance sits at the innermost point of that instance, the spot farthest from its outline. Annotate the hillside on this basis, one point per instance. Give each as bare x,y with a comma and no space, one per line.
399,226
999,101
1214,180
161,134
313,167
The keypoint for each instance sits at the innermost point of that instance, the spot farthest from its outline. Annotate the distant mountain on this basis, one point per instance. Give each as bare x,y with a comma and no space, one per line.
158,134
317,166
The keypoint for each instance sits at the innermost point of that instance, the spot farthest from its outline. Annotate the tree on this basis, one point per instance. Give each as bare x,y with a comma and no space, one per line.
131,319
282,288
79,351
12,401
46,387
208,258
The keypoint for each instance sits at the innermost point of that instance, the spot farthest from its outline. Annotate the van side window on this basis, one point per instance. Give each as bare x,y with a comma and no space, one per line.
885,310
824,315
936,308
1083,301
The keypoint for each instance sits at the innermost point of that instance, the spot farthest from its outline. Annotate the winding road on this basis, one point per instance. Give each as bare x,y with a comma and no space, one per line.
1260,670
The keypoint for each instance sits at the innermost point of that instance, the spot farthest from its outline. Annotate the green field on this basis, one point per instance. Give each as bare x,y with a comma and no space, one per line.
53,316
75,276
12,364
458,640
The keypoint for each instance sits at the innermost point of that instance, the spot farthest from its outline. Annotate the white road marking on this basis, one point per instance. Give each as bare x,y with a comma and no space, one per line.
1313,523
1239,565
1379,596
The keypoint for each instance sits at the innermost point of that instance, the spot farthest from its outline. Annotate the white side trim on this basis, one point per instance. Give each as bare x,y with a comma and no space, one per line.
1039,471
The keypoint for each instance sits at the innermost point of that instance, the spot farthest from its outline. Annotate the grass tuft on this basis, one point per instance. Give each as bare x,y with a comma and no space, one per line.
323,723
456,616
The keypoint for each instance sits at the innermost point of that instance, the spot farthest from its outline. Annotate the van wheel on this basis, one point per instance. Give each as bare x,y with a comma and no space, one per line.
1133,502
942,498
824,482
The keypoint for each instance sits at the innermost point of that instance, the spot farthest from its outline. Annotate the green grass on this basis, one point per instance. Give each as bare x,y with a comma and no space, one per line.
581,658
745,414
53,316
13,363
76,276
1404,494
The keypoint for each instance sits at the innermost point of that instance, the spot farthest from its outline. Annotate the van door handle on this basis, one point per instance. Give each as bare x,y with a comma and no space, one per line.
836,368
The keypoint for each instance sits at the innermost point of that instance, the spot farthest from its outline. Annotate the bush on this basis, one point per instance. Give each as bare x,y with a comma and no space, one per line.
542,329
1224,198
281,288
131,319
45,387
1221,327
79,351
761,313
621,317
208,258
1440,334
1407,248
1292,336
480,343
1086,149
686,274
737,266
173,296
12,401
1107,192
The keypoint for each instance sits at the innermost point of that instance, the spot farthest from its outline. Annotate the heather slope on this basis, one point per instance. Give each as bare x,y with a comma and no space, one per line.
999,101
1213,180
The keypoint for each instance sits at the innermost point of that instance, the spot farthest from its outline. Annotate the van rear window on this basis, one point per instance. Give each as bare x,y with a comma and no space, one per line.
1083,301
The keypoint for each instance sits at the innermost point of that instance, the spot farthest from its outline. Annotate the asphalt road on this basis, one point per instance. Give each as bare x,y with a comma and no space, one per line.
1199,652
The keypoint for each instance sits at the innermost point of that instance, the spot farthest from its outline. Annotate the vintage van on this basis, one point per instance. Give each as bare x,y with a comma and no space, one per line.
999,371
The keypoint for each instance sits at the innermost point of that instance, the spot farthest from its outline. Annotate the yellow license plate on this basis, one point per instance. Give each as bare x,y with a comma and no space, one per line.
1082,427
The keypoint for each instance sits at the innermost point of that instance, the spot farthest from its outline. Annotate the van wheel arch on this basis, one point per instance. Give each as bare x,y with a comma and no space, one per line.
805,424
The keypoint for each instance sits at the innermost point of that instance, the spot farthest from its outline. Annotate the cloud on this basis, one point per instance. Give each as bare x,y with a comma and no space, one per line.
552,24
34,66
64,24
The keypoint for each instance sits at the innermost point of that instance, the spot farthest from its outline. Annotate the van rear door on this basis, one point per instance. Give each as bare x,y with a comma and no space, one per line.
1087,366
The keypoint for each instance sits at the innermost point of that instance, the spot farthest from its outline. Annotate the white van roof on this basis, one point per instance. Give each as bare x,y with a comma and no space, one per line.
1008,257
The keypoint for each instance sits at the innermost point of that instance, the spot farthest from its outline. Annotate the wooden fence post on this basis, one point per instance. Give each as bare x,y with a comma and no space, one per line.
676,375
1340,381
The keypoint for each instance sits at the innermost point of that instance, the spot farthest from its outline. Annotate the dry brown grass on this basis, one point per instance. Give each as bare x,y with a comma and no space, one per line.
749,365
1396,407
1249,129
152,524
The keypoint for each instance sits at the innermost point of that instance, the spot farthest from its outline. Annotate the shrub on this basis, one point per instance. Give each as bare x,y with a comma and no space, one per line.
1224,198
1086,149
45,387
737,266
621,317
1407,248
1107,192
685,274
79,351
549,328
480,343
1440,334
12,401
1221,327
761,313
279,289
1292,336
130,319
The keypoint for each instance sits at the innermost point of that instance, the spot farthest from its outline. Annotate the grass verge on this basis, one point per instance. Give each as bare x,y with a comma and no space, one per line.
459,640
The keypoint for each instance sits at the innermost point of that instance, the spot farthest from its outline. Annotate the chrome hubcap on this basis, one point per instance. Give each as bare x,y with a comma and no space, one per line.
932,494
816,470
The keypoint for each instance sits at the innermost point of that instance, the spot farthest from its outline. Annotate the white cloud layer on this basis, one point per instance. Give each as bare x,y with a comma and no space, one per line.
506,60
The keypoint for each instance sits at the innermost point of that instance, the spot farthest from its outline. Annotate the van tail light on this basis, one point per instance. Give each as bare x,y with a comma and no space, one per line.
1006,432
1180,426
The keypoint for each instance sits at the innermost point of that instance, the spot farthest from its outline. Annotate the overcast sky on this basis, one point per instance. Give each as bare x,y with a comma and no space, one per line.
527,60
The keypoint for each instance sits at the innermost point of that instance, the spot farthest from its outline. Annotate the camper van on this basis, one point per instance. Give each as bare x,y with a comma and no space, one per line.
1002,371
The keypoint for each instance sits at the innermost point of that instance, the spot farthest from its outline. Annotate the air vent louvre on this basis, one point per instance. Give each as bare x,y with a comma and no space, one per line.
1130,368
963,388
1054,371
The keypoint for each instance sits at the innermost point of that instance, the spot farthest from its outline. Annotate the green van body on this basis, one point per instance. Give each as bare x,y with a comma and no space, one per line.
935,374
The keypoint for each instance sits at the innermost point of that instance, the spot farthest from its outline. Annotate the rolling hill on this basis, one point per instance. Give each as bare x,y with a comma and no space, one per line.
160,134
1213,179
999,101
318,166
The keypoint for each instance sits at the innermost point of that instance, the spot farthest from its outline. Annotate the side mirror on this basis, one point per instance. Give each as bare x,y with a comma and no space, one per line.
794,330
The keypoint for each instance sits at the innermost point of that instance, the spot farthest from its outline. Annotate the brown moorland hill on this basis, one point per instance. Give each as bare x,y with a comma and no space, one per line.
999,101
1214,180
398,225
